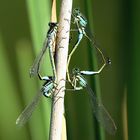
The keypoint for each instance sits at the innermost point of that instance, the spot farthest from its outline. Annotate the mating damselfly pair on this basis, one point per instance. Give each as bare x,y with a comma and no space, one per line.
76,78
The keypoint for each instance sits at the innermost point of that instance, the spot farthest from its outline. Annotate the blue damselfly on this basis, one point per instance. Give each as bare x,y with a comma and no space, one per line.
48,43
46,90
81,23
99,111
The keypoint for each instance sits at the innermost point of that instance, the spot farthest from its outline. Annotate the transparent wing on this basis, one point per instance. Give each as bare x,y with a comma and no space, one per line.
101,53
101,113
35,67
27,112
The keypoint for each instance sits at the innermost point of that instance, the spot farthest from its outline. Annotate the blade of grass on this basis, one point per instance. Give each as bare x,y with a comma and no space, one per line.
133,74
39,16
9,101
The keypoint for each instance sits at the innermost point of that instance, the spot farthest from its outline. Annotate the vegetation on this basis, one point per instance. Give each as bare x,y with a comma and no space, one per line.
115,24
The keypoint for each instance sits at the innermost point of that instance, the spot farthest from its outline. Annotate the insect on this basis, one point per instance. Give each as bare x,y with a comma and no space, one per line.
46,90
48,43
81,23
99,111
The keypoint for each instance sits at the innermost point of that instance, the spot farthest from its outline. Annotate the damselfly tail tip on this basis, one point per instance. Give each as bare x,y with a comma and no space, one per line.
108,61
32,73
18,122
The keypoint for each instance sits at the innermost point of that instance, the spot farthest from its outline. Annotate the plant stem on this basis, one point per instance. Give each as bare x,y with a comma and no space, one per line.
61,65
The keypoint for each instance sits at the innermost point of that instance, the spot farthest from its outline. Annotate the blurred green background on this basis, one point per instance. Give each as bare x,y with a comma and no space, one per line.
115,24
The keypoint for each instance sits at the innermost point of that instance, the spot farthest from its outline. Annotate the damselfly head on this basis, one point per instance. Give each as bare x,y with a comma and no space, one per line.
108,61
75,71
76,12
52,28
52,24
80,18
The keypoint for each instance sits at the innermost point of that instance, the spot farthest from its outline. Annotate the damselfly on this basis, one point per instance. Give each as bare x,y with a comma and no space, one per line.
48,43
101,114
46,90
81,23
